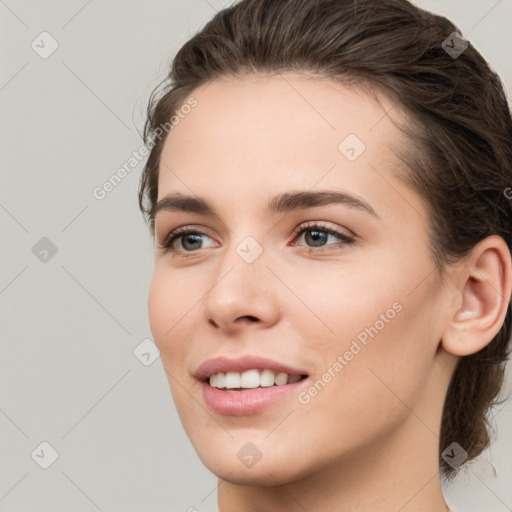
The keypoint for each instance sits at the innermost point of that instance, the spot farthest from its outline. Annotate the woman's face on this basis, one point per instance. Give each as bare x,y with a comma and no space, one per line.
359,312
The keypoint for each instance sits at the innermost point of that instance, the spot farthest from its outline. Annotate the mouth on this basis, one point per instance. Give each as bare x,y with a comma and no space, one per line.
248,384
251,379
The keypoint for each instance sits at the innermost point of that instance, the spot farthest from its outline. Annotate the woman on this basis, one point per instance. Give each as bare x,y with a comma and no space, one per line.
327,189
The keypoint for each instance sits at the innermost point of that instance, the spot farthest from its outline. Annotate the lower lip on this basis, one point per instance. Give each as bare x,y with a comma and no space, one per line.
248,401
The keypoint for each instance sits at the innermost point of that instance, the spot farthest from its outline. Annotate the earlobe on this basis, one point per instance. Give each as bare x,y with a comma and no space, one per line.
484,285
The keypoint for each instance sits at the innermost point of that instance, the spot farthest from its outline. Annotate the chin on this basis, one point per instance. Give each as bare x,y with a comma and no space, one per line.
261,474
274,467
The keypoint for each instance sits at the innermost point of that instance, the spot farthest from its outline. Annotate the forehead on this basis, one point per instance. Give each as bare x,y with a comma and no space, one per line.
287,129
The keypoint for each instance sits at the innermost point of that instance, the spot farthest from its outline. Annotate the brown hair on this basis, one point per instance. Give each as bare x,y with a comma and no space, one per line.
460,128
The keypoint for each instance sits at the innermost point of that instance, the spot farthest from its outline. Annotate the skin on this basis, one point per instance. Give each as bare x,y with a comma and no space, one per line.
369,439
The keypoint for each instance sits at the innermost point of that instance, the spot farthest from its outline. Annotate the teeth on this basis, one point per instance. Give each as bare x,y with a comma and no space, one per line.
267,378
220,380
232,380
293,378
281,379
251,379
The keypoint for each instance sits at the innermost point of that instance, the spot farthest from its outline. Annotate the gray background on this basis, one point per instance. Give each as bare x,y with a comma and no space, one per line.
70,324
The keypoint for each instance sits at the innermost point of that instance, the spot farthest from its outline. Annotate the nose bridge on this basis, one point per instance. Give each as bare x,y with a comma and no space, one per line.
244,256
241,285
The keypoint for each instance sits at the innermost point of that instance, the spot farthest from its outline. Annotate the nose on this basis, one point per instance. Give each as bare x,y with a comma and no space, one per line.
241,294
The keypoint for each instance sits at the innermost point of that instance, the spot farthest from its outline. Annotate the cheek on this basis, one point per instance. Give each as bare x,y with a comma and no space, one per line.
339,306
173,306
170,326
160,308
167,310
372,340
170,300
372,394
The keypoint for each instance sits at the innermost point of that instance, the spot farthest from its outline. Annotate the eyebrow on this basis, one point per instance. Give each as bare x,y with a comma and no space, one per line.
281,203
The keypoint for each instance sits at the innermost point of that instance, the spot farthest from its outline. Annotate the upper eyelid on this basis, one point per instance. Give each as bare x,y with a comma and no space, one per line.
303,225
310,224
182,230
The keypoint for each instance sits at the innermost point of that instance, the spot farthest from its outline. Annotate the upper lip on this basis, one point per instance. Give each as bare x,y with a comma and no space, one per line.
222,364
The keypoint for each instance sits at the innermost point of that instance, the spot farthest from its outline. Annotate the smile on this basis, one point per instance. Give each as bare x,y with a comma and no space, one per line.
251,379
248,384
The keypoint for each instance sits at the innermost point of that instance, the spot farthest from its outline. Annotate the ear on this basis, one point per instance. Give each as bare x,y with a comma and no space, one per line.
483,290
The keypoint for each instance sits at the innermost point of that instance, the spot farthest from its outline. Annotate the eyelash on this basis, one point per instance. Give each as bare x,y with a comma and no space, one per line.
312,226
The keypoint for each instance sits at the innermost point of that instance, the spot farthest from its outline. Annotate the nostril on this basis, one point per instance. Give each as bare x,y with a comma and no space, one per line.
249,317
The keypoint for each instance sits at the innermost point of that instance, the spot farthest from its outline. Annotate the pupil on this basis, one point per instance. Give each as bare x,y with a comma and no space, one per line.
191,236
317,236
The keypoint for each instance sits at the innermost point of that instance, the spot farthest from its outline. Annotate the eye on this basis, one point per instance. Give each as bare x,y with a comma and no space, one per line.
318,235
191,239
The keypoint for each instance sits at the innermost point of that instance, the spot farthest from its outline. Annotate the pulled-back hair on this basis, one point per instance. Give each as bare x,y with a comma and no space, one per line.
459,132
